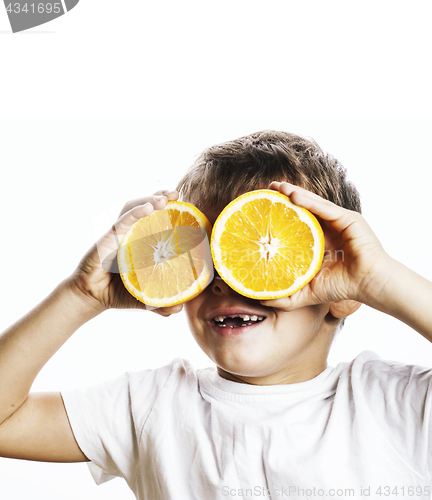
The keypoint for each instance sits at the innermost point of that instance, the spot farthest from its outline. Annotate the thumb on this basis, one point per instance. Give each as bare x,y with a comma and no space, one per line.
313,293
301,298
317,291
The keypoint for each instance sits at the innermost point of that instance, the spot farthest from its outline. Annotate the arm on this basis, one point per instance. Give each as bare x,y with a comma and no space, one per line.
400,292
35,426
365,274
25,347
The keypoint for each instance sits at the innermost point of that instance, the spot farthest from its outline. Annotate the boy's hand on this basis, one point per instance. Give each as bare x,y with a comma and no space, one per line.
354,259
94,283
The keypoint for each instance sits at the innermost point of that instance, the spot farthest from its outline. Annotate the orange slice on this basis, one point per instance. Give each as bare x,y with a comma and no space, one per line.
265,247
165,259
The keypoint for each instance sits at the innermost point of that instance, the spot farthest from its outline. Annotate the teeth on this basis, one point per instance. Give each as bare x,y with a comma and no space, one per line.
244,317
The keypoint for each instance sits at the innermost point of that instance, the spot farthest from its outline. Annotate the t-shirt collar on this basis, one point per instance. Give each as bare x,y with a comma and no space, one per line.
228,389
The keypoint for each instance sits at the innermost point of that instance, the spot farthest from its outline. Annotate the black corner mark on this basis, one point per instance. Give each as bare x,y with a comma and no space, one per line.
70,4
26,14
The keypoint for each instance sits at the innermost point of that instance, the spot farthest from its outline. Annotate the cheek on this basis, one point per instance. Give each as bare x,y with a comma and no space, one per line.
191,309
301,325
196,327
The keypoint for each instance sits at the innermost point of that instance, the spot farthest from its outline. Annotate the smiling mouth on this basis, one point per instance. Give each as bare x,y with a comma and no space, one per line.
236,320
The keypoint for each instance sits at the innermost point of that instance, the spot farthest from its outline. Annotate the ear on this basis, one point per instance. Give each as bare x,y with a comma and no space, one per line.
344,308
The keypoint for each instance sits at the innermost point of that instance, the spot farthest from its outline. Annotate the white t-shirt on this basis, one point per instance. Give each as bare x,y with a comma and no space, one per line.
361,429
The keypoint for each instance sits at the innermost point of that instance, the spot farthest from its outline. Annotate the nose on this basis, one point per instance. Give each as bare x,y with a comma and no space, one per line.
218,285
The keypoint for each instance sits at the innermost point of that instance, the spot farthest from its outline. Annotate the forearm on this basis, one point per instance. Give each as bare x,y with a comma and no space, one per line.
27,345
403,294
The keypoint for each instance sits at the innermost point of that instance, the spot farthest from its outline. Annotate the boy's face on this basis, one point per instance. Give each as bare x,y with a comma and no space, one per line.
286,347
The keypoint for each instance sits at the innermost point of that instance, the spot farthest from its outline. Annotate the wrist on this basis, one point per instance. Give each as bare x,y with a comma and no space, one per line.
375,285
86,307
403,294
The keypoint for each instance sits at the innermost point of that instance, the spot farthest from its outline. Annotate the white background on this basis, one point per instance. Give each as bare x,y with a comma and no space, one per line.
222,59
161,81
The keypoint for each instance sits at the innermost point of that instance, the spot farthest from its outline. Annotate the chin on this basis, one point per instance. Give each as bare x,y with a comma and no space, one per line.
244,366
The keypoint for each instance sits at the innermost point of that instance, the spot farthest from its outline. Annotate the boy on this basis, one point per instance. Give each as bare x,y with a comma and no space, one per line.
272,420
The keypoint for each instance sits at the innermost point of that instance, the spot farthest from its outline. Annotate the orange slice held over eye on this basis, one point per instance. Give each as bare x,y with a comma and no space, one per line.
265,247
165,259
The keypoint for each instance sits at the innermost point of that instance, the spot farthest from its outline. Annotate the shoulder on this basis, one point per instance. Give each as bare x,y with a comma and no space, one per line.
157,395
179,374
372,369
386,384
389,402
178,368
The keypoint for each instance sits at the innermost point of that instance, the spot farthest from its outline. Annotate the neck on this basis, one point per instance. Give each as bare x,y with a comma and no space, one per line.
284,377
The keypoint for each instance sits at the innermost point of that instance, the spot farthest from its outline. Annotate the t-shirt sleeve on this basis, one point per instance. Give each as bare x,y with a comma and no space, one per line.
400,398
107,425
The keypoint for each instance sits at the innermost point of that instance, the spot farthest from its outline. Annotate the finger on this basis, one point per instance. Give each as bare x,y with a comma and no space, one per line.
285,303
133,210
167,311
324,208
338,217
171,195
108,244
274,185
302,298
159,203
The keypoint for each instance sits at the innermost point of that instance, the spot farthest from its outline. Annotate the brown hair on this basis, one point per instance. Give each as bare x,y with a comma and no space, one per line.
227,170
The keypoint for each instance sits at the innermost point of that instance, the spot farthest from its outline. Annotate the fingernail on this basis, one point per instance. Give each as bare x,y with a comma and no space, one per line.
167,191
157,198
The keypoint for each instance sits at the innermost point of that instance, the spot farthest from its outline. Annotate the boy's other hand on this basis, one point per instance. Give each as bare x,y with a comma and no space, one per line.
100,286
353,258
